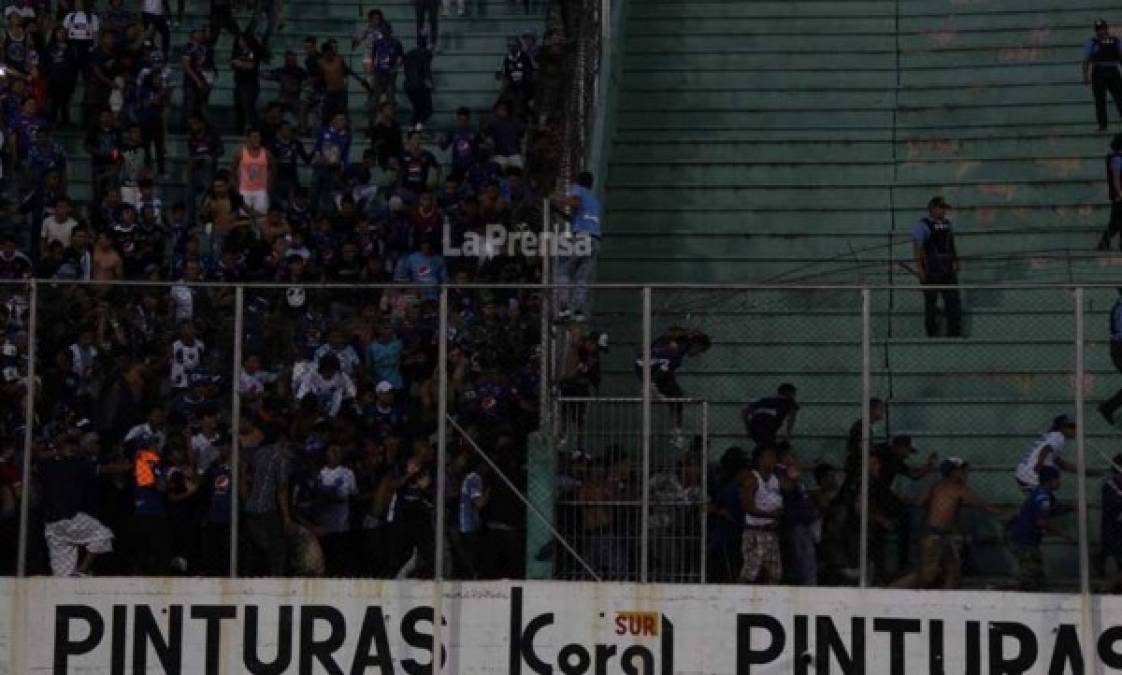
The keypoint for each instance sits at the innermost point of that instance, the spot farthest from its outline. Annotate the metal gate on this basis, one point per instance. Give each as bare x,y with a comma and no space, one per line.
632,515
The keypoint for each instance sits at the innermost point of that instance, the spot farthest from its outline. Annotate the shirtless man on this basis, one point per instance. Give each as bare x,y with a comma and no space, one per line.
107,264
938,555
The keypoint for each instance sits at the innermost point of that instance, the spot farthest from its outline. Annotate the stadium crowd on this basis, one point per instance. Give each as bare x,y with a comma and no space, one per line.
132,442
132,445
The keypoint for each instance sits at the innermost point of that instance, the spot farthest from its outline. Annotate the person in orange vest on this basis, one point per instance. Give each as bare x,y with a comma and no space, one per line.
253,171
151,535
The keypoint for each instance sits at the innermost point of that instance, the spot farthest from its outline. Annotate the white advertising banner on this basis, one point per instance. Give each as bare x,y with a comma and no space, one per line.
205,627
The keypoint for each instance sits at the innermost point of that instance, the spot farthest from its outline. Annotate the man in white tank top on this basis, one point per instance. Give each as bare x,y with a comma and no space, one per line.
763,507
253,171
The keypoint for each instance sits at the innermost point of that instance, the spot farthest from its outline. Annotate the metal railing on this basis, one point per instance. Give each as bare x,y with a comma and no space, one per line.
634,477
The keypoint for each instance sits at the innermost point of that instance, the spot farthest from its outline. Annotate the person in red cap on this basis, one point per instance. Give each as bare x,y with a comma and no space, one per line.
1102,57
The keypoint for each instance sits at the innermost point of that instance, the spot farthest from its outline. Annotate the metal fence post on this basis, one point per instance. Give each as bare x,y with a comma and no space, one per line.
29,428
866,432
441,478
645,504
544,412
704,489
1087,614
1080,450
235,427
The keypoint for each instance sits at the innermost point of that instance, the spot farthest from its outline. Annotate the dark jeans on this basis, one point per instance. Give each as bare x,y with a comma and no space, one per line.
267,536
421,99
59,94
1113,226
151,537
245,105
154,136
199,181
194,100
222,16
216,549
286,182
952,307
1104,79
1114,402
429,8
334,102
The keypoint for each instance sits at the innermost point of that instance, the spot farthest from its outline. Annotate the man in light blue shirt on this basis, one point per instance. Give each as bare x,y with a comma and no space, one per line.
579,268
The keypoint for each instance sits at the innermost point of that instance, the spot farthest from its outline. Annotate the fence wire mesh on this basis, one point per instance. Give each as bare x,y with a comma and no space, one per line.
750,470
15,340
990,396
131,462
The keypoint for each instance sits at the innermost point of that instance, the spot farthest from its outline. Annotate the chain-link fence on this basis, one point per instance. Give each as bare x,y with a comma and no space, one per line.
15,345
724,435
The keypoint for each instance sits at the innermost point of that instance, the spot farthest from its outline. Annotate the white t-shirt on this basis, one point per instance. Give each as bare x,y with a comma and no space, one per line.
56,231
1026,470
81,25
184,360
24,12
152,6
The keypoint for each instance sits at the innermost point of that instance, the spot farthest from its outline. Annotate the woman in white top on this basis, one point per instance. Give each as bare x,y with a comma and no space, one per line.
763,506
1046,452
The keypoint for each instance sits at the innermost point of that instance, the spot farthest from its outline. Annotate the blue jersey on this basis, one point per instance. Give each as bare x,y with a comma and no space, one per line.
384,361
464,144
1025,529
489,400
333,146
1116,321
586,217
386,53
425,269
666,354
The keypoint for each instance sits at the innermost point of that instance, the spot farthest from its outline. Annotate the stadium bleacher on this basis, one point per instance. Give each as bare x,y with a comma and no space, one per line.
798,142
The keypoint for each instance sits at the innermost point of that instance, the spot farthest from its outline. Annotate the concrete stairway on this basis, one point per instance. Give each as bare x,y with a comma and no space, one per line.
797,142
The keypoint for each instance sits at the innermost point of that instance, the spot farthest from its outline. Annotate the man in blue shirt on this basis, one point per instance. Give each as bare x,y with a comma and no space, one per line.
463,141
330,155
579,268
1102,57
1108,407
936,261
1027,530
1114,190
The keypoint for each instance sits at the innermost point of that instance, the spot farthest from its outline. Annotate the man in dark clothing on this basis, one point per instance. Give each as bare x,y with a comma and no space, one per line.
222,17
1108,407
385,134
764,418
937,265
198,75
1114,189
418,84
516,72
427,8
1102,57
1111,524
66,480
386,55
892,460
266,505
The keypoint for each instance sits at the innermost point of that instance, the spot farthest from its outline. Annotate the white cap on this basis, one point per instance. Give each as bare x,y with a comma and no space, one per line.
384,387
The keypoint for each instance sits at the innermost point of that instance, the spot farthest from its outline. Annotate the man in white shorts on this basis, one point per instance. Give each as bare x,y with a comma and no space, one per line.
67,478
